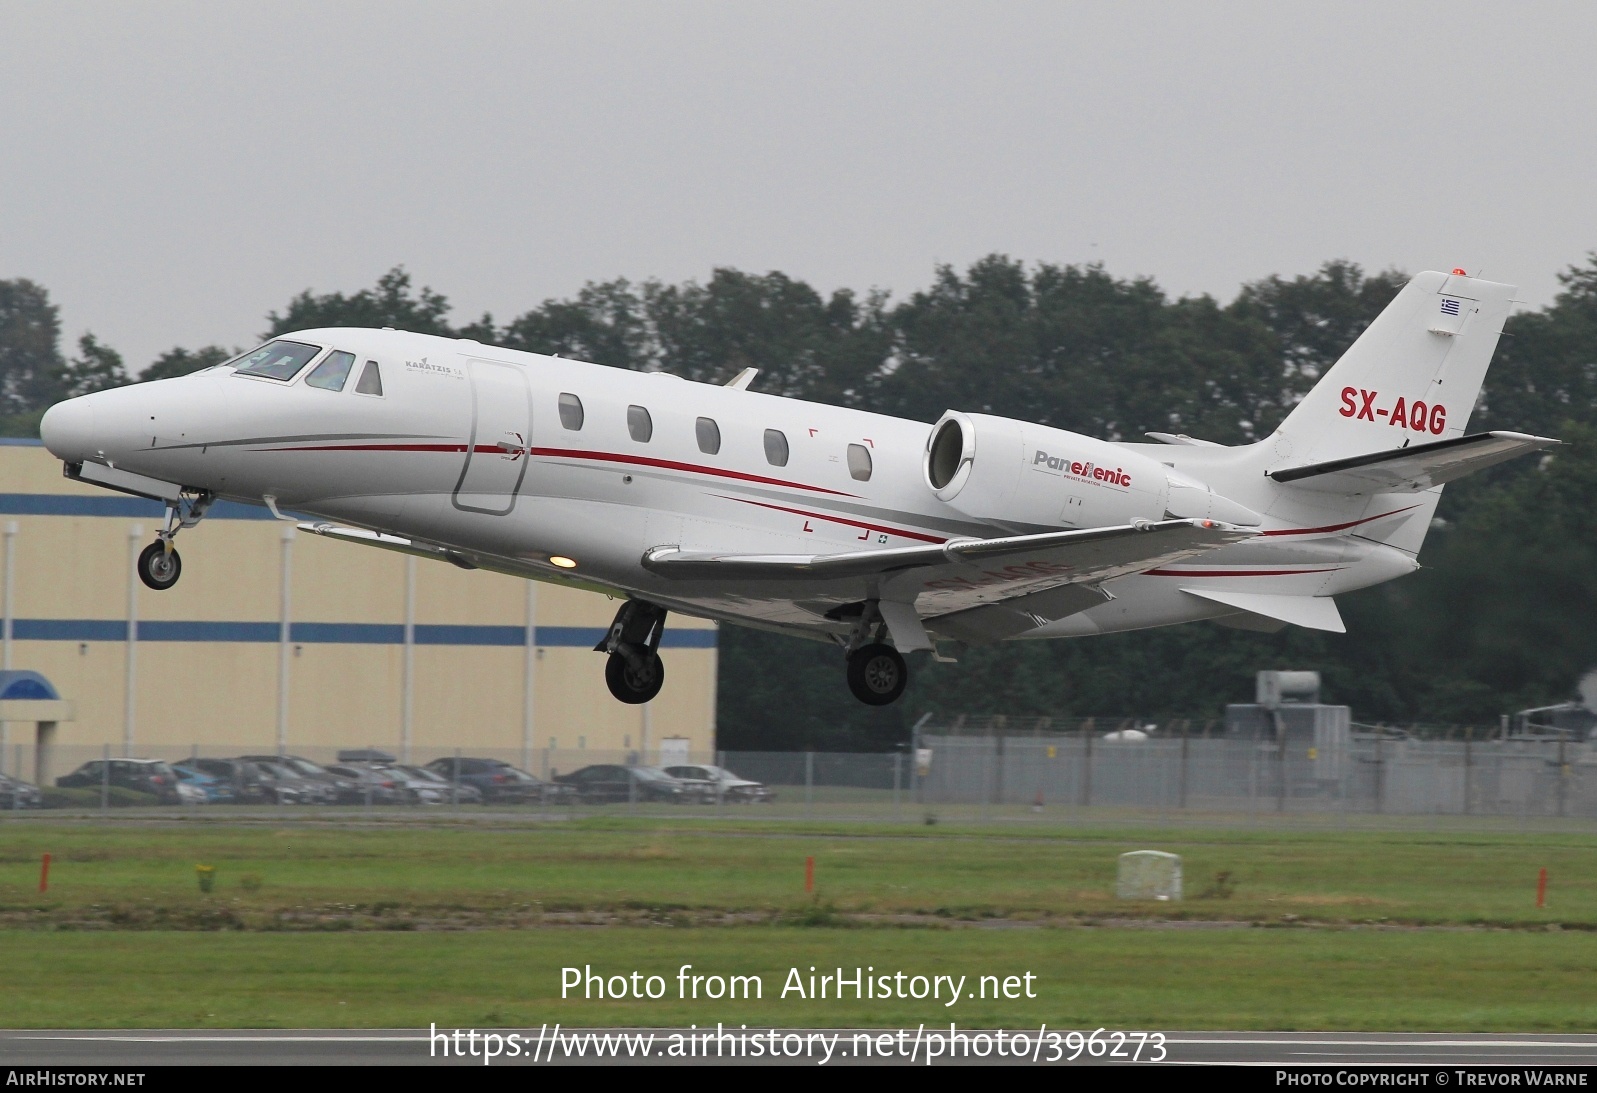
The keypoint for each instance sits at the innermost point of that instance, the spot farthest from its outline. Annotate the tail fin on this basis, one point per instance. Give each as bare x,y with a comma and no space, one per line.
1412,376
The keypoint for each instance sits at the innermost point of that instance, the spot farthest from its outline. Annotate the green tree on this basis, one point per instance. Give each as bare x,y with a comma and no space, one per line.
181,362
96,368
30,357
604,324
391,303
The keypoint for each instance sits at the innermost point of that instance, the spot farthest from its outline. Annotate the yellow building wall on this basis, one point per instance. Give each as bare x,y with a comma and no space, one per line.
73,571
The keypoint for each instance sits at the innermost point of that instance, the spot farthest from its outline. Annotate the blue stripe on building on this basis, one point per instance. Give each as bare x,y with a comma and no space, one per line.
334,633
114,504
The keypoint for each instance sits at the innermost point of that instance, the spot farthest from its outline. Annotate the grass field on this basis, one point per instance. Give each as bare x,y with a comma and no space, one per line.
347,925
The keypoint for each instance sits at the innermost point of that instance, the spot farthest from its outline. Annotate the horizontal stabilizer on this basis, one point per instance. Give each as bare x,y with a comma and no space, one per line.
1312,612
1417,467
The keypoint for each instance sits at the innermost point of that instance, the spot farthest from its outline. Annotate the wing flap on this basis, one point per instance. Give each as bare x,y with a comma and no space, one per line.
1417,467
960,575
1313,612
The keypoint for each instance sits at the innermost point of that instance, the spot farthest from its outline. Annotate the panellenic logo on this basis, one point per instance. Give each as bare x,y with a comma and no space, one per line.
1116,477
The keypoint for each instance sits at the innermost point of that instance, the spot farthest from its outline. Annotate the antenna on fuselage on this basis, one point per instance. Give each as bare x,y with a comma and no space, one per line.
741,381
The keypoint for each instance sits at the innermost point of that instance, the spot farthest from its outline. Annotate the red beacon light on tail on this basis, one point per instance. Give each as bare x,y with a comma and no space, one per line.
1458,272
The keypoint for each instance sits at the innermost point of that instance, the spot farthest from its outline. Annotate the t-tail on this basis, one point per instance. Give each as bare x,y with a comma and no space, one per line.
1390,416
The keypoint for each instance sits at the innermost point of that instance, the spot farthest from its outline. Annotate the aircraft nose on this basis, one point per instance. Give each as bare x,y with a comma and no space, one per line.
68,429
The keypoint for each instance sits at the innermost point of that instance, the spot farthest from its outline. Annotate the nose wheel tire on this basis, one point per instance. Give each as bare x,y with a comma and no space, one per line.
635,686
158,567
877,674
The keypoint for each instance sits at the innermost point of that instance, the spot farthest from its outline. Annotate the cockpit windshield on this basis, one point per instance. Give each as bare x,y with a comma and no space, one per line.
279,360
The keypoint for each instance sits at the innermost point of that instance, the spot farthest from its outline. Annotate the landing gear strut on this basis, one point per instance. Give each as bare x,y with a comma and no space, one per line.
159,564
634,671
877,673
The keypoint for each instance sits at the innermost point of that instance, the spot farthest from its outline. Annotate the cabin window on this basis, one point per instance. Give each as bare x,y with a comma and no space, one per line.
709,434
859,463
279,360
371,380
776,447
639,424
570,411
333,372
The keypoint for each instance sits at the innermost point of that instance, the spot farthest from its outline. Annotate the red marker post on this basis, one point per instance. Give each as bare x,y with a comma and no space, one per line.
809,874
1541,889
44,874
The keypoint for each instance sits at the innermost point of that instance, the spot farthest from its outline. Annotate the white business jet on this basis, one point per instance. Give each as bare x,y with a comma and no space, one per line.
880,534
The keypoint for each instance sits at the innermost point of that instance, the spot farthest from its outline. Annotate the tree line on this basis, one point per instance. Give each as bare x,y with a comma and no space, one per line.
1500,618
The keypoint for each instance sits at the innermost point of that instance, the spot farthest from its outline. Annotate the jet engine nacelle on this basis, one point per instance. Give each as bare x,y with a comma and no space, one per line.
1000,469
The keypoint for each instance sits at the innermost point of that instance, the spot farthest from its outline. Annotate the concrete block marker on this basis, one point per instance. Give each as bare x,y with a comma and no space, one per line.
1149,874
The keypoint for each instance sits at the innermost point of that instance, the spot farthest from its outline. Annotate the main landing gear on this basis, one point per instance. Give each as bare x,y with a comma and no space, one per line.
877,673
634,671
159,564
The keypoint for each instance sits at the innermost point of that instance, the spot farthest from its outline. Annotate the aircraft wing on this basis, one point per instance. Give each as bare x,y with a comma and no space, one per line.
967,574
1417,467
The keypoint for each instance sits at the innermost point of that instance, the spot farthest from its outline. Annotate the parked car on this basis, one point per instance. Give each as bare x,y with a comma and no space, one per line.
346,791
150,776
217,791
16,794
462,794
250,784
371,785
412,789
610,782
366,755
292,787
499,782
721,781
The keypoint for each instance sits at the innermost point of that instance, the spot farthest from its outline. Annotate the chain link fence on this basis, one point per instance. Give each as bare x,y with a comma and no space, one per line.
988,771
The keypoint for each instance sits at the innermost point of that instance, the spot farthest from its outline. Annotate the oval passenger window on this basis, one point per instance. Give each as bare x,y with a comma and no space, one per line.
639,424
859,463
709,434
570,411
776,447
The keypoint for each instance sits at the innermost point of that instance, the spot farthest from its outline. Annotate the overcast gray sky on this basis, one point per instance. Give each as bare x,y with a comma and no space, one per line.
172,171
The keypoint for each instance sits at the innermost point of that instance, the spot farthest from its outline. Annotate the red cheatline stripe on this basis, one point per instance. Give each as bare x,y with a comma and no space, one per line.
919,536
1235,573
455,448
1337,527
573,453
693,468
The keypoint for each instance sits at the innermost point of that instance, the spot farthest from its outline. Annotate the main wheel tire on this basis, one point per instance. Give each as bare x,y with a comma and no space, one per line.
634,687
877,674
158,567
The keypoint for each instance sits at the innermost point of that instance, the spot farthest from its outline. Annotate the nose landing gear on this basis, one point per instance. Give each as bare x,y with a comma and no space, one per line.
634,671
159,564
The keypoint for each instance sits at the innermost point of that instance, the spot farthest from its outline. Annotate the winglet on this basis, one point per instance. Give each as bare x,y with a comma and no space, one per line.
741,381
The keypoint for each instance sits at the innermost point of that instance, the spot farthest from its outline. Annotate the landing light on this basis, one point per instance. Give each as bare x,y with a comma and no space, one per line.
562,562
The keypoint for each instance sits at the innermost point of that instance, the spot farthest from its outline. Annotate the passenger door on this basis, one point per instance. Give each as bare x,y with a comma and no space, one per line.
497,451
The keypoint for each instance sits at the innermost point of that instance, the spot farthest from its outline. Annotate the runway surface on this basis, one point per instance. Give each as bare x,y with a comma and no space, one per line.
409,1047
